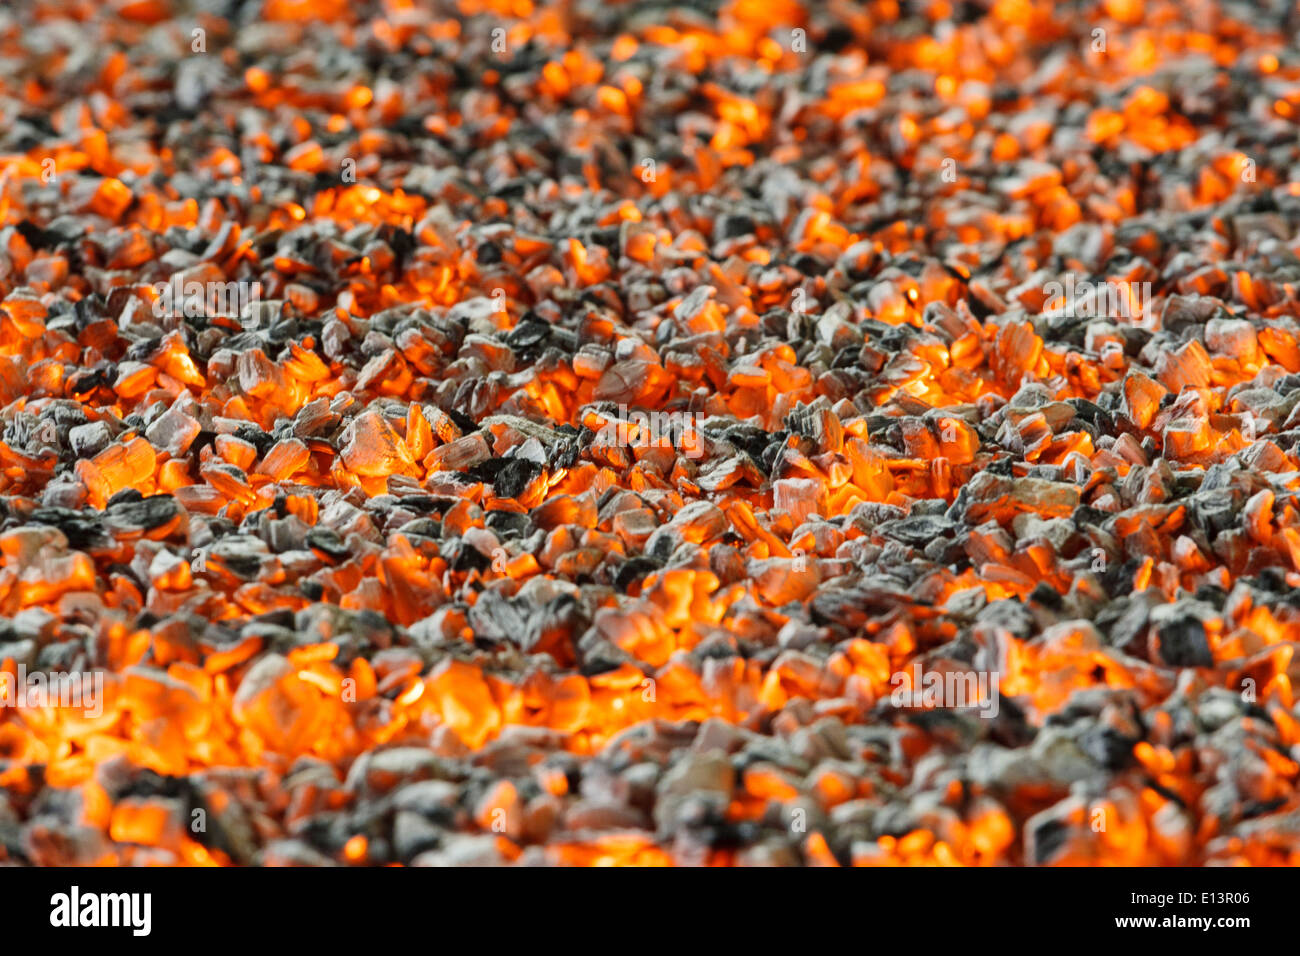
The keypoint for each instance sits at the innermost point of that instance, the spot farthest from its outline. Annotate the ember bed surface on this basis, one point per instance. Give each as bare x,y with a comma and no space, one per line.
593,433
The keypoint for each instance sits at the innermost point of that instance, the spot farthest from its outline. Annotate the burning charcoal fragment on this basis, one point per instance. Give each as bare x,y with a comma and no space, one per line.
634,570
83,531
1093,414
327,542
463,556
413,834
1180,636
237,556
553,630
509,476
495,619
127,496
1046,840
90,439
424,527
1108,748
528,334
1044,594
144,514
508,524
918,530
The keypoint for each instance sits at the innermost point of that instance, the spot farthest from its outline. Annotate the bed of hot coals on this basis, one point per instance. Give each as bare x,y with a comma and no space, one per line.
742,432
